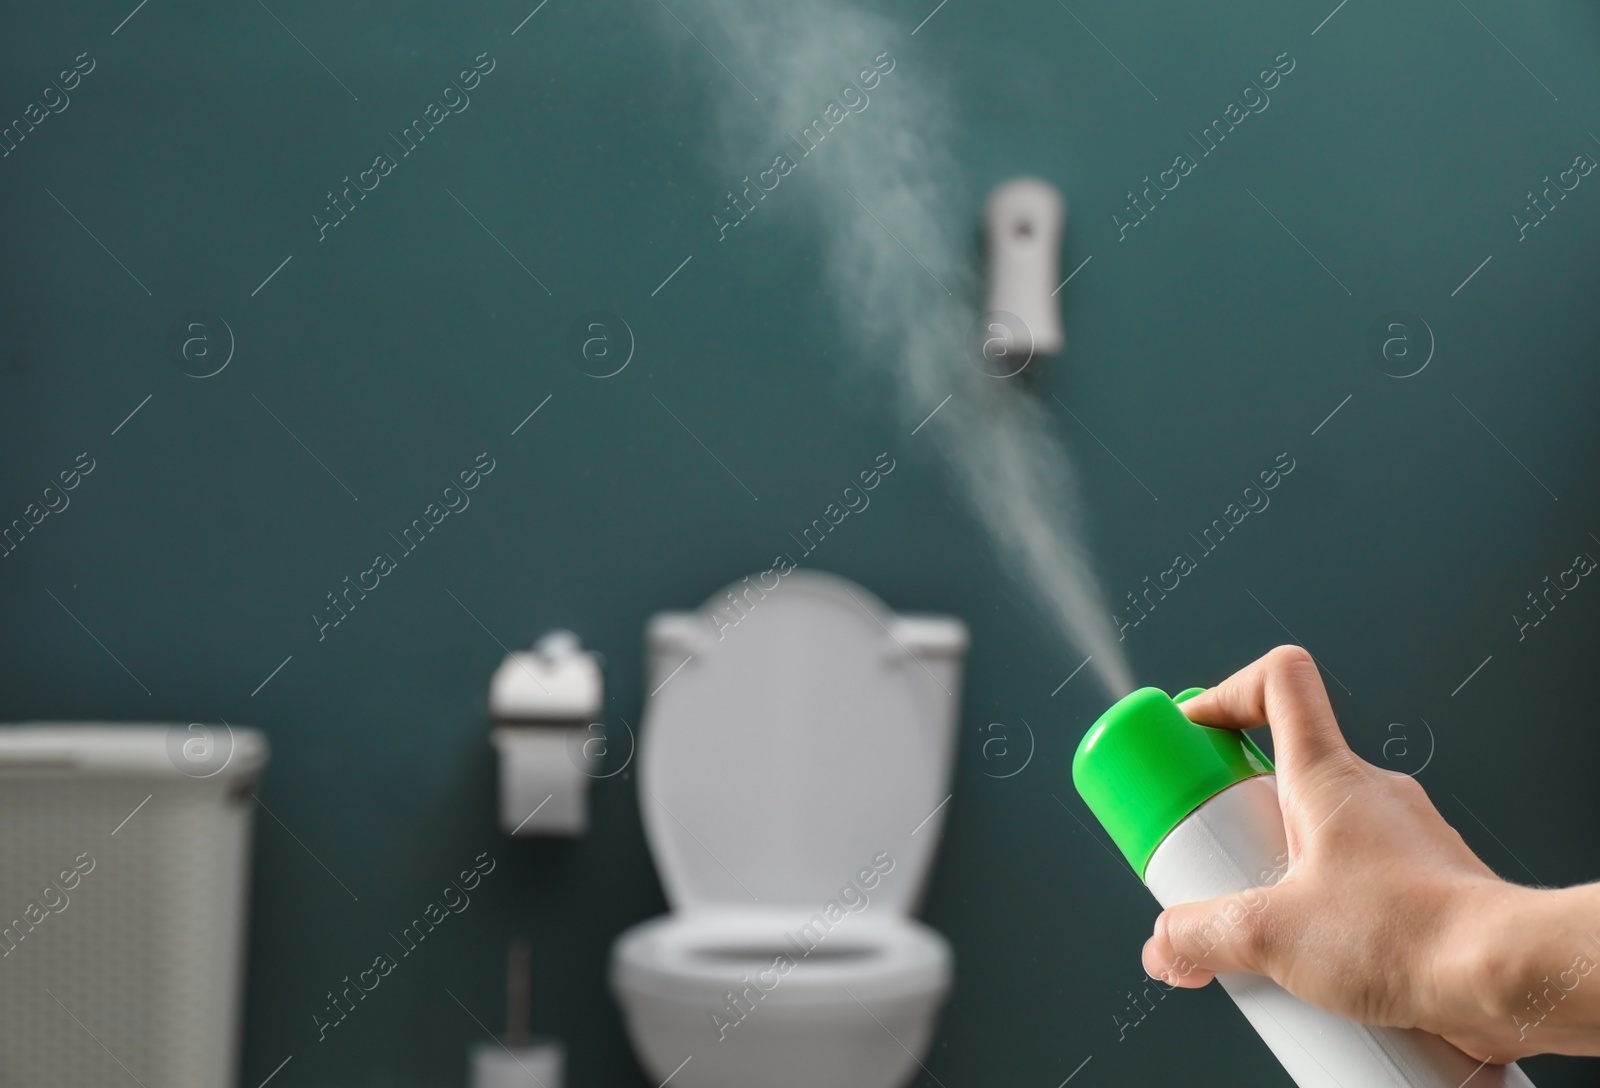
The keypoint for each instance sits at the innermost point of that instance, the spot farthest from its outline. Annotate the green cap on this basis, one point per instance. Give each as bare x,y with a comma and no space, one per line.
1144,766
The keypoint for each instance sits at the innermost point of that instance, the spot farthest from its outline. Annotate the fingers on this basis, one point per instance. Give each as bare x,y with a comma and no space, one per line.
1282,689
1195,941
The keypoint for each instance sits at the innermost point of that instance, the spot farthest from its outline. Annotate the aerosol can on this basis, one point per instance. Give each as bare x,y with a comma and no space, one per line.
1195,812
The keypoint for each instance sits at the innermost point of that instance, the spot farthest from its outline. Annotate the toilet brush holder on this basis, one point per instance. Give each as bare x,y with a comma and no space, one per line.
518,1059
539,1064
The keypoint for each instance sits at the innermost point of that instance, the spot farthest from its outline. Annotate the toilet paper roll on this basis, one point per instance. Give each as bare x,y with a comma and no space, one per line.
545,771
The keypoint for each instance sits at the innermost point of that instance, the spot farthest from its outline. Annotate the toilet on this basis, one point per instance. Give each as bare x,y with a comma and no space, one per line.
794,767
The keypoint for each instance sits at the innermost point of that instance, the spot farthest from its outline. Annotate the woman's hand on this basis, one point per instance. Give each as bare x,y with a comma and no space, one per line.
1385,915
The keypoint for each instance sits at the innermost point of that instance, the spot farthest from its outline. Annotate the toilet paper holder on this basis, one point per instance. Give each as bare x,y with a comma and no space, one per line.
543,702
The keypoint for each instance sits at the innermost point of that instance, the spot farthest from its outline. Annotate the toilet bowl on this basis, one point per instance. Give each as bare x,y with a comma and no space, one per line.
794,764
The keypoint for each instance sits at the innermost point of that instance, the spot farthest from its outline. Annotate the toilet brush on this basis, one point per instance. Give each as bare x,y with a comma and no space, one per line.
518,1059
519,993
1195,812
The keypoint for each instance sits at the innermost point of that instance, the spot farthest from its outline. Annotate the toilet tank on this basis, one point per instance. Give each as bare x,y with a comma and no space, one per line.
124,856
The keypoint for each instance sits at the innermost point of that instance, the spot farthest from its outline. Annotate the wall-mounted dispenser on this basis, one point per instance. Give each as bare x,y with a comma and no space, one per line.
542,703
1024,221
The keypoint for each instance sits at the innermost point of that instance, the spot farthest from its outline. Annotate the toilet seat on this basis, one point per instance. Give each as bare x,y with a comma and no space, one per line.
698,958
782,754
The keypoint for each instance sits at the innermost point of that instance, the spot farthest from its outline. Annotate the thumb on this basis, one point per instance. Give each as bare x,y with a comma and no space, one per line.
1193,942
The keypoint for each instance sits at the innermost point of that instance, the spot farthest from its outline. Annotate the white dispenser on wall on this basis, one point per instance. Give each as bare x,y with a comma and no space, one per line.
1023,222
1195,811
543,703
124,868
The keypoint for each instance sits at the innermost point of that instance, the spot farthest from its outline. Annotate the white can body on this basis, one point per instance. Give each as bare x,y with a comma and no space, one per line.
1235,842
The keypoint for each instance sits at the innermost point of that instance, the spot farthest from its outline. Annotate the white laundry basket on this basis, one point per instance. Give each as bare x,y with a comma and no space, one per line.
124,860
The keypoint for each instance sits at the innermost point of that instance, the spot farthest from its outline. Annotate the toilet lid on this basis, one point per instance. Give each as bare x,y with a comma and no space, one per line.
794,760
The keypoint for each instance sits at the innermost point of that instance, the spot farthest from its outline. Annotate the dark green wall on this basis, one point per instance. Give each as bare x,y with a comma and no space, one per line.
408,341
